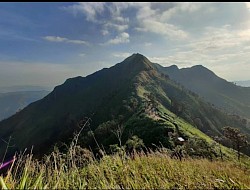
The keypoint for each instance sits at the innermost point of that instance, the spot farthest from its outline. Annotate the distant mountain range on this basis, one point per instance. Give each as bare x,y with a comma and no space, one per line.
12,102
136,94
225,95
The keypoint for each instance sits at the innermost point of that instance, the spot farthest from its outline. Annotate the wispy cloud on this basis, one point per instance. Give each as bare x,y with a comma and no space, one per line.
104,32
177,9
82,54
114,22
65,40
120,39
155,21
222,49
118,27
90,9
121,54
93,13
147,44
55,39
169,30
215,35
149,17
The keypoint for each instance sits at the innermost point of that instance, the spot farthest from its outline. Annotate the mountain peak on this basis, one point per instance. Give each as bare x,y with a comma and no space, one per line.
203,71
199,67
138,61
172,68
137,54
137,57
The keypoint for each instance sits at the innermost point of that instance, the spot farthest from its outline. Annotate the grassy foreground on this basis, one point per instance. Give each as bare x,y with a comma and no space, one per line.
155,170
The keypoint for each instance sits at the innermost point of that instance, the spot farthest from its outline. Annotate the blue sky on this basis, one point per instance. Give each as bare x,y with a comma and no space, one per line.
46,43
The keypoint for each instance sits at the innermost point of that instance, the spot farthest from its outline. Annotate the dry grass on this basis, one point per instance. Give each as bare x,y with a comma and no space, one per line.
156,170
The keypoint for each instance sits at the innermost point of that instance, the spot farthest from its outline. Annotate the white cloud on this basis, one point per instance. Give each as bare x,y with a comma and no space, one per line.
155,21
118,27
221,39
189,7
89,9
116,9
121,19
113,22
244,34
179,8
121,54
121,38
77,42
145,12
169,30
148,19
223,50
105,32
147,44
54,39
65,40
82,54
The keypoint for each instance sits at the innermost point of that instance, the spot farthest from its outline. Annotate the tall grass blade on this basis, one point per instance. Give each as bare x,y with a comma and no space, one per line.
3,185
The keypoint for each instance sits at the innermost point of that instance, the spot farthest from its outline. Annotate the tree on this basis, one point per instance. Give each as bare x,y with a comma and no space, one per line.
239,140
198,147
118,133
177,107
134,143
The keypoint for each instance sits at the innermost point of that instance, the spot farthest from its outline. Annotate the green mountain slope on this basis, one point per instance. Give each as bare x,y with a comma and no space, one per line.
12,102
232,98
132,94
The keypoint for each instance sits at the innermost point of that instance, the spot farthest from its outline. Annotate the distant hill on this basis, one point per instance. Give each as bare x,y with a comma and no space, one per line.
132,94
226,95
24,88
12,102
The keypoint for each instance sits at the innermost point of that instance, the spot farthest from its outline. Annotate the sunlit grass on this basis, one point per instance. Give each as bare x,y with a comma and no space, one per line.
148,171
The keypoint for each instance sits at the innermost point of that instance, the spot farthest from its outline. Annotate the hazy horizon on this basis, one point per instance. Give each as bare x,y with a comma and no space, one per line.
43,44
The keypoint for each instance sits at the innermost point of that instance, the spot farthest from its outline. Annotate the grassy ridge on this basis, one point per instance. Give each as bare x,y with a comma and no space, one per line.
118,171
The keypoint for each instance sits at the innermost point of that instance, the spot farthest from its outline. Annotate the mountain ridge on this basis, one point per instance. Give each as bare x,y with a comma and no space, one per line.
225,95
131,93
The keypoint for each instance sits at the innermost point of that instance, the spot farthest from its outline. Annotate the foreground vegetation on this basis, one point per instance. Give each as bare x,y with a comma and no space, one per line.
78,168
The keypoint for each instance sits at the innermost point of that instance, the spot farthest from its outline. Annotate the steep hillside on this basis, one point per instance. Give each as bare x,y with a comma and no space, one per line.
12,102
132,95
232,98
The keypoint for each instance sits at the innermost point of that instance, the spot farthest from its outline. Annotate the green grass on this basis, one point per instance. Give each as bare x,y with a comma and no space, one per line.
154,170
